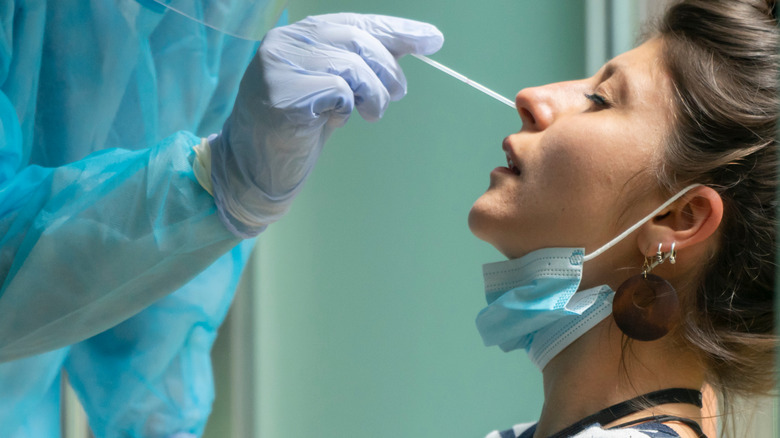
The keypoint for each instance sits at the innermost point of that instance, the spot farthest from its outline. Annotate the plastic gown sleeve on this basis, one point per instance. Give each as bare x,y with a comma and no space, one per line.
87,245
30,400
151,375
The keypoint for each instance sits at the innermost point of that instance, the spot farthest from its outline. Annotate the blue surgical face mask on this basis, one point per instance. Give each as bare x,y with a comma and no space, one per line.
532,302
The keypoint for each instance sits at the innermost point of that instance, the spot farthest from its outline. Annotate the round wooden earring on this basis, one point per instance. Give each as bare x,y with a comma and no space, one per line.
646,307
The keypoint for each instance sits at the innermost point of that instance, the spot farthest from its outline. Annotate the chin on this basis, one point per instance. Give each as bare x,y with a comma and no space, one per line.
478,222
485,226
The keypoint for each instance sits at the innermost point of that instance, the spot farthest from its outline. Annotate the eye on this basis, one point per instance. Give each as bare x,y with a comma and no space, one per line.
598,99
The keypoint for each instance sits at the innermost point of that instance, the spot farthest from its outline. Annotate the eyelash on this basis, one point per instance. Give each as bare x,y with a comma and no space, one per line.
597,99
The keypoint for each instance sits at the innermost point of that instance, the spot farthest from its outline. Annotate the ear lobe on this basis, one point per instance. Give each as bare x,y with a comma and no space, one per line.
691,220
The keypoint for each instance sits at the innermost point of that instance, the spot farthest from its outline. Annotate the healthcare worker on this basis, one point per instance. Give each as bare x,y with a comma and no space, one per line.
131,185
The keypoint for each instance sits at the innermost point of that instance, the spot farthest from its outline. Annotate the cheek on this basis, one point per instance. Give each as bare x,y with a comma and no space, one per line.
575,180
588,172
568,167
588,159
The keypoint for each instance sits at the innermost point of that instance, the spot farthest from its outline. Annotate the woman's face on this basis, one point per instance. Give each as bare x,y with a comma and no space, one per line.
586,148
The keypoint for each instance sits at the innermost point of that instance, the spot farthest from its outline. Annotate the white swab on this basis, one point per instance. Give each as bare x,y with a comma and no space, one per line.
464,79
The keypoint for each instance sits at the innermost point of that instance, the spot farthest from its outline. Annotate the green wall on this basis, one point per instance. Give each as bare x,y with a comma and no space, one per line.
367,291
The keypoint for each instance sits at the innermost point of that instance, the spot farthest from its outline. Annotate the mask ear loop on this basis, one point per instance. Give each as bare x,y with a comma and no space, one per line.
645,306
634,227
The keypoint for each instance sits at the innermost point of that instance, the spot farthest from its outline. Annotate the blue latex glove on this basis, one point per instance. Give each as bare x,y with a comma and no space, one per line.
304,81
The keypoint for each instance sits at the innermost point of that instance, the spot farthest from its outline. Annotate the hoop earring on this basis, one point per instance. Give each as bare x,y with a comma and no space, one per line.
646,307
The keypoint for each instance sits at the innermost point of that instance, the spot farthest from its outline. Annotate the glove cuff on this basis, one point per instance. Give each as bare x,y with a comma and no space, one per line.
202,164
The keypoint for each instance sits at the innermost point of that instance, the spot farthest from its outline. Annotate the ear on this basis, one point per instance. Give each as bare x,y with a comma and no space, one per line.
690,220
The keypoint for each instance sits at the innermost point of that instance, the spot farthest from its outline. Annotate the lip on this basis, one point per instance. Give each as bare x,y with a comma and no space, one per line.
503,170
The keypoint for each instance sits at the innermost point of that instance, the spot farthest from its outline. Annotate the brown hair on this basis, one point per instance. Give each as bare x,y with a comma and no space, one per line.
722,56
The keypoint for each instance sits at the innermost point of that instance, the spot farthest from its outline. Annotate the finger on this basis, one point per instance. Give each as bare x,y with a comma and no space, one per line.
373,53
303,98
370,94
332,80
400,36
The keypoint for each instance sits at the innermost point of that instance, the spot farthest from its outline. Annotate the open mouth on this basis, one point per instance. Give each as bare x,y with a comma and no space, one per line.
511,165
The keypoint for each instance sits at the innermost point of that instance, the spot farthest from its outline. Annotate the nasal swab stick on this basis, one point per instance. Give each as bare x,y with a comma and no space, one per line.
462,78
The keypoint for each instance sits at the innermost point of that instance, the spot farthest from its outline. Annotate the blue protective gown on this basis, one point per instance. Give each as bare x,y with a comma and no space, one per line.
101,217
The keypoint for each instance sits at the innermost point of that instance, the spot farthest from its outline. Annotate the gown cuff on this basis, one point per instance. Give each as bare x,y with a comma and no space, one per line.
201,166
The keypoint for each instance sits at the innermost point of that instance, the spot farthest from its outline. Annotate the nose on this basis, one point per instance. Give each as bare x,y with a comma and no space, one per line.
540,107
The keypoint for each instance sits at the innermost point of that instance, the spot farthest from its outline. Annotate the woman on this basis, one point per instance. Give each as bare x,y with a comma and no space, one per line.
681,128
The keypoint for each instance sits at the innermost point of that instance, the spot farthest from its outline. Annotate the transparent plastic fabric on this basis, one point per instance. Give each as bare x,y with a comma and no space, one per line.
114,264
163,356
247,19
149,376
30,400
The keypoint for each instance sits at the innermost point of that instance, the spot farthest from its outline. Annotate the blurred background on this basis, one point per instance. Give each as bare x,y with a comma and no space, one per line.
357,315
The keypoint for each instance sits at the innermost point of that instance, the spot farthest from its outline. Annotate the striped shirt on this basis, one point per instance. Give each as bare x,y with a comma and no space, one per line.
644,430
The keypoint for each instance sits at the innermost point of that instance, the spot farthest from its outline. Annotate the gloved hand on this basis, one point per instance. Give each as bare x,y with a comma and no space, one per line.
304,82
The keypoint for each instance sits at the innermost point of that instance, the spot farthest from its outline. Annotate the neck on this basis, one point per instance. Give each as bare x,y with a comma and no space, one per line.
593,373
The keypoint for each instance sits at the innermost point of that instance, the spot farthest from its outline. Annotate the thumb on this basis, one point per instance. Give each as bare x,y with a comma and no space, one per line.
400,36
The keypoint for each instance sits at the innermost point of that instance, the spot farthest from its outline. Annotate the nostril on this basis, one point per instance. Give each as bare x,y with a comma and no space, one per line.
527,117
